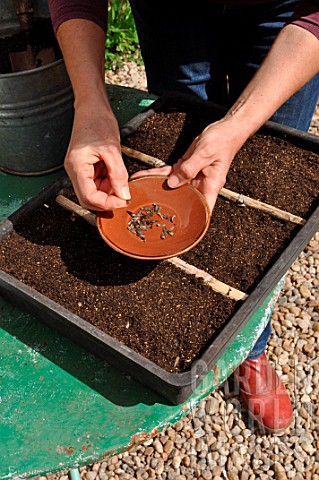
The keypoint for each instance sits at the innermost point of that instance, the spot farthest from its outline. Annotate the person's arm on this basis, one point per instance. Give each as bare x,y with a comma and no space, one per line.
292,61
93,161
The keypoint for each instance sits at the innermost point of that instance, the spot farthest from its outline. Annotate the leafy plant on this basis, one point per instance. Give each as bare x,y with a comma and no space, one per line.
121,42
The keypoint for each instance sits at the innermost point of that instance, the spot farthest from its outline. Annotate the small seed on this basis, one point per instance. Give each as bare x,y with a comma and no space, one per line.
141,236
164,232
133,215
148,209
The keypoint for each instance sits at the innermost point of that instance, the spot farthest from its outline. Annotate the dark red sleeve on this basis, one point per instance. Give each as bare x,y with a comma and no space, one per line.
307,16
94,10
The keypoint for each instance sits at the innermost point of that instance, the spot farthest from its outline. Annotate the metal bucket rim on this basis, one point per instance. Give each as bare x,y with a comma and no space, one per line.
42,104
32,71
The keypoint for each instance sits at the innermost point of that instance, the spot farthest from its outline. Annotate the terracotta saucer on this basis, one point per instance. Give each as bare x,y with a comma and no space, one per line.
160,222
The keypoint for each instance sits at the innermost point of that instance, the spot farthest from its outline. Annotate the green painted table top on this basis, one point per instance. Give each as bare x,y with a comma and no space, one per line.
62,407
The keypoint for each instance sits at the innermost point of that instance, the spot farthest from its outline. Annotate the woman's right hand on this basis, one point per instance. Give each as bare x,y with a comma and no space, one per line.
94,162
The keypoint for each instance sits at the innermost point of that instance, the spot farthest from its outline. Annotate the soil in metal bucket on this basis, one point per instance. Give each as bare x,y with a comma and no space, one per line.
39,39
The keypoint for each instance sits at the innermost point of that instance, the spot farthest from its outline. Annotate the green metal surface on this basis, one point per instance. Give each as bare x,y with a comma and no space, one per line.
16,190
62,407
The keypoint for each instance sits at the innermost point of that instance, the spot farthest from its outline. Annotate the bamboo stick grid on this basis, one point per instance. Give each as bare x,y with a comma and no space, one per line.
238,198
215,284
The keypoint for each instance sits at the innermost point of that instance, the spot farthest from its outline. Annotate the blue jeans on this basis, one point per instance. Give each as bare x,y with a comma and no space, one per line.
212,51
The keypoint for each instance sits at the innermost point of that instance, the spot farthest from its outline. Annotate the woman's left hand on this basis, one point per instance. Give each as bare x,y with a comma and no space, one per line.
206,162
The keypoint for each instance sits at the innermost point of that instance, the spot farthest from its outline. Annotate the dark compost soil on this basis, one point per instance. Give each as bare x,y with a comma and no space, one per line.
150,306
266,168
157,310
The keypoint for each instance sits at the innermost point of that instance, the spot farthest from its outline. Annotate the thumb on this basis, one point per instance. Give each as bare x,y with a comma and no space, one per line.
176,180
124,193
120,191
119,184
181,174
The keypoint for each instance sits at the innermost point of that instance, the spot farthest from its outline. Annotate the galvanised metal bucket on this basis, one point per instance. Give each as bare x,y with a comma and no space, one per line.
36,109
36,116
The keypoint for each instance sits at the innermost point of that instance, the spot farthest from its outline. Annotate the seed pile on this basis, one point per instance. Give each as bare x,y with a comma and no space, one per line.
144,220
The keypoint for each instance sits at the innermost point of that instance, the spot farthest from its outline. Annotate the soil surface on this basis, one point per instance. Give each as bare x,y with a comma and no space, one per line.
264,168
150,306
240,245
162,313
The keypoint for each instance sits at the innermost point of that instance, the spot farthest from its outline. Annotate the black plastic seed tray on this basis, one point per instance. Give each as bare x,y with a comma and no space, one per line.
175,387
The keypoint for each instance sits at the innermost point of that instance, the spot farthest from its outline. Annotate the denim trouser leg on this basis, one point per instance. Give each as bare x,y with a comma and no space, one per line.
178,46
212,51
297,112
261,344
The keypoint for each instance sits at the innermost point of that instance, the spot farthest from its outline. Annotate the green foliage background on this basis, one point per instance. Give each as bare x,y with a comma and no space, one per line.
121,42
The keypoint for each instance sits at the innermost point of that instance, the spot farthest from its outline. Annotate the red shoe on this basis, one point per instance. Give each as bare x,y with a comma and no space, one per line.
264,395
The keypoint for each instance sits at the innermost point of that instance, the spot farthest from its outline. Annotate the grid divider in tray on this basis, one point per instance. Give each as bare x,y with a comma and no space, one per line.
209,280
175,387
239,198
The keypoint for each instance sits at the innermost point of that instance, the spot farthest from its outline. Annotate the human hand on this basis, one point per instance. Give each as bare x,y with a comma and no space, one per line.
206,162
94,162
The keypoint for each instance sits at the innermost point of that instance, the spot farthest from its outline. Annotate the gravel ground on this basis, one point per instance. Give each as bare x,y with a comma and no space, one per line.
217,440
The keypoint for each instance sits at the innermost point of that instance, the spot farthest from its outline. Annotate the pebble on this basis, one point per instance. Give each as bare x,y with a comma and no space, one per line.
219,442
149,451
91,475
212,406
168,447
158,446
